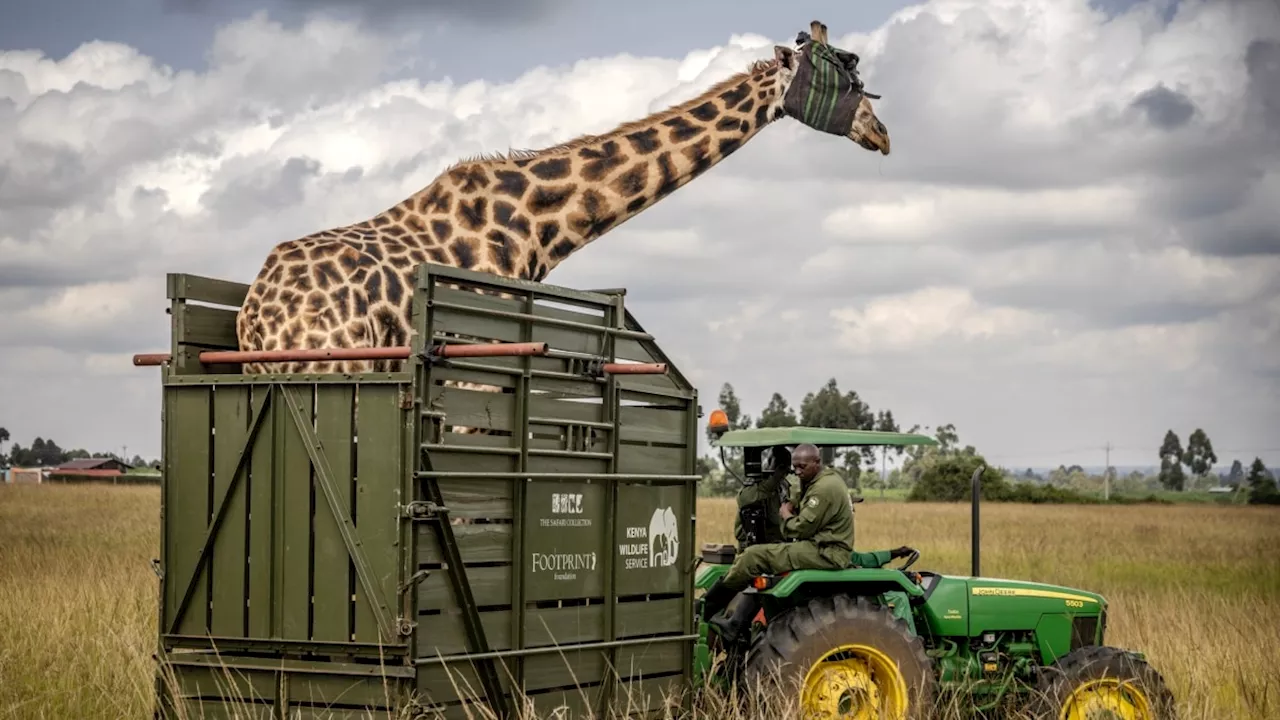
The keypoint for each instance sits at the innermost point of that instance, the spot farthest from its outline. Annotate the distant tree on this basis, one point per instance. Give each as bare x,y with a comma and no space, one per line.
4,438
948,479
1199,454
829,408
1262,485
1236,476
777,413
1171,475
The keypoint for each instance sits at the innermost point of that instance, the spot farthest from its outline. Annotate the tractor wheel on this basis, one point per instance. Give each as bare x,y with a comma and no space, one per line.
1104,683
847,658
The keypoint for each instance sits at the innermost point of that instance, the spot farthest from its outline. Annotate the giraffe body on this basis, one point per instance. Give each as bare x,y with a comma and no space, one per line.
515,215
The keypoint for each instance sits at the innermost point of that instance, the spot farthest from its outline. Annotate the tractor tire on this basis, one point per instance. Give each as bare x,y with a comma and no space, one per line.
840,655
1125,686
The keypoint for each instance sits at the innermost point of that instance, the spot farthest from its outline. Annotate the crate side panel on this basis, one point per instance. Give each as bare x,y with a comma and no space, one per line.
653,529
208,327
188,461
183,286
335,429
477,543
234,684
343,690
261,492
567,669
650,617
564,539
474,408
445,634
231,413
654,424
490,586
479,498
651,459
294,512
379,453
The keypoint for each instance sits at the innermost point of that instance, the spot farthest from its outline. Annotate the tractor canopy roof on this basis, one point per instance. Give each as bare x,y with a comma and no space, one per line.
797,435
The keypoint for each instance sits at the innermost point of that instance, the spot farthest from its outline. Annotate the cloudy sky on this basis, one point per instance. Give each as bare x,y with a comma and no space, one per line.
1075,241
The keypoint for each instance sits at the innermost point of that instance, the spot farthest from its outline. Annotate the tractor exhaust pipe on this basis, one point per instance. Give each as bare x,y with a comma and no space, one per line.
975,540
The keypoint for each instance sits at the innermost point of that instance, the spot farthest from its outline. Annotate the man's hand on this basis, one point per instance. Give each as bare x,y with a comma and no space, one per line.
786,511
900,552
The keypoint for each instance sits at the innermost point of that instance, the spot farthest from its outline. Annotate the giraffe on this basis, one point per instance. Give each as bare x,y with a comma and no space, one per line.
516,215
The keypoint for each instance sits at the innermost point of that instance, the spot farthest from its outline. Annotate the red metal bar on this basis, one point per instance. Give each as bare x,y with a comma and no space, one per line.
636,368
230,357
150,359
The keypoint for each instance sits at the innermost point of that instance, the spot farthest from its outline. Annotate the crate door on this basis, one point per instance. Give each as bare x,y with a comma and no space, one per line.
280,517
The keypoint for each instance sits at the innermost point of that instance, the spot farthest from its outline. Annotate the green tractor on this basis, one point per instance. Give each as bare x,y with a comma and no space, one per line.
875,641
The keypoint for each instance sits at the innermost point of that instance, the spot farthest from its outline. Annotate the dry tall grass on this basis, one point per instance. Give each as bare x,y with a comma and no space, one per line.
1195,587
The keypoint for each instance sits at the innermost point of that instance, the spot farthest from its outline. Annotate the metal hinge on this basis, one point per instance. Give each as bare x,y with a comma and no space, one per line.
405,627
419,509
155,567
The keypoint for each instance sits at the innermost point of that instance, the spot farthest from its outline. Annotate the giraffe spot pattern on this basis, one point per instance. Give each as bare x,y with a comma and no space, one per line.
602,161
633,181
682,129
551,169
435,200
593,219
644,141
504,213
463,253
547,232
736,95
706,112
699,154
395,287
562,249
473,214
441,229
501,249
470,178
545,200
511,183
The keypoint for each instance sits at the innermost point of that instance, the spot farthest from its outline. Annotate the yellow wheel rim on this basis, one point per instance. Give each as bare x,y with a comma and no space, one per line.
856,682
1108,699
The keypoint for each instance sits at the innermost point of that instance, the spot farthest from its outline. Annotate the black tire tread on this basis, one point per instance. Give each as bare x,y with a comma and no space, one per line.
784,635
1094,661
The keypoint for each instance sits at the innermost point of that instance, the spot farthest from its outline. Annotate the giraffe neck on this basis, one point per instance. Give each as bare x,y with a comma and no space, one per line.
521,215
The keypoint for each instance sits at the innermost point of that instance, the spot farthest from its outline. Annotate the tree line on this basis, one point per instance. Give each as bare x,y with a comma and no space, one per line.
47,453
943,472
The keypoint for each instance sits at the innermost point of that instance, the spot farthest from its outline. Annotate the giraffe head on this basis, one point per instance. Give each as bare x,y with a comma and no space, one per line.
821,88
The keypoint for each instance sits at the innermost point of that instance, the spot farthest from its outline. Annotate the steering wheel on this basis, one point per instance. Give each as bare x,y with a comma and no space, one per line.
911,559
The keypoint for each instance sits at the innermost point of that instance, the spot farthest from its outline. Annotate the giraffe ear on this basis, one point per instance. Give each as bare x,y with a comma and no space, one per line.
786,57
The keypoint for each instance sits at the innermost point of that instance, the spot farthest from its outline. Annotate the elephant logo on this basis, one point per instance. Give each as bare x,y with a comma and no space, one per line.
664,538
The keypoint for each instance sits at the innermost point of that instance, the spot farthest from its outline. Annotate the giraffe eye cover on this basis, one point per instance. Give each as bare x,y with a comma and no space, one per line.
826,89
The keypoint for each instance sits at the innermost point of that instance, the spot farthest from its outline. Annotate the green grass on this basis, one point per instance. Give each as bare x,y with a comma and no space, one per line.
1196,588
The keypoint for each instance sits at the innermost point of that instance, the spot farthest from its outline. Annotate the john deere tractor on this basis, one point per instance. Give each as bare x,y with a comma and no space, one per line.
875,641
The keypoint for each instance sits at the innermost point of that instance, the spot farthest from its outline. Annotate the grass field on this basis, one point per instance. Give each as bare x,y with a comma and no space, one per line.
1195,587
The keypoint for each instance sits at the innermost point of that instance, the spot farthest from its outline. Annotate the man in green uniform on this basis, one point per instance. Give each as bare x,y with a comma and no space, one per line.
820,528
759,518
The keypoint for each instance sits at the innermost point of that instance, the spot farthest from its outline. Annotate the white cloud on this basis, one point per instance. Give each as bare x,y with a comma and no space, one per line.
1039,243
919,320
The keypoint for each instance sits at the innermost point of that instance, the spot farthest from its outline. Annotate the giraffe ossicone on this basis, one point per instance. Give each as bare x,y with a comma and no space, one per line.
520,214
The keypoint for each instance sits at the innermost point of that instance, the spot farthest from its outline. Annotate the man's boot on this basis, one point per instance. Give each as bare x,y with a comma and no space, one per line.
740,619
717,598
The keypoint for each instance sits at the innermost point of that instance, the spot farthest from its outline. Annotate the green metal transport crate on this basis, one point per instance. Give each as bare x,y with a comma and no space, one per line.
312,561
